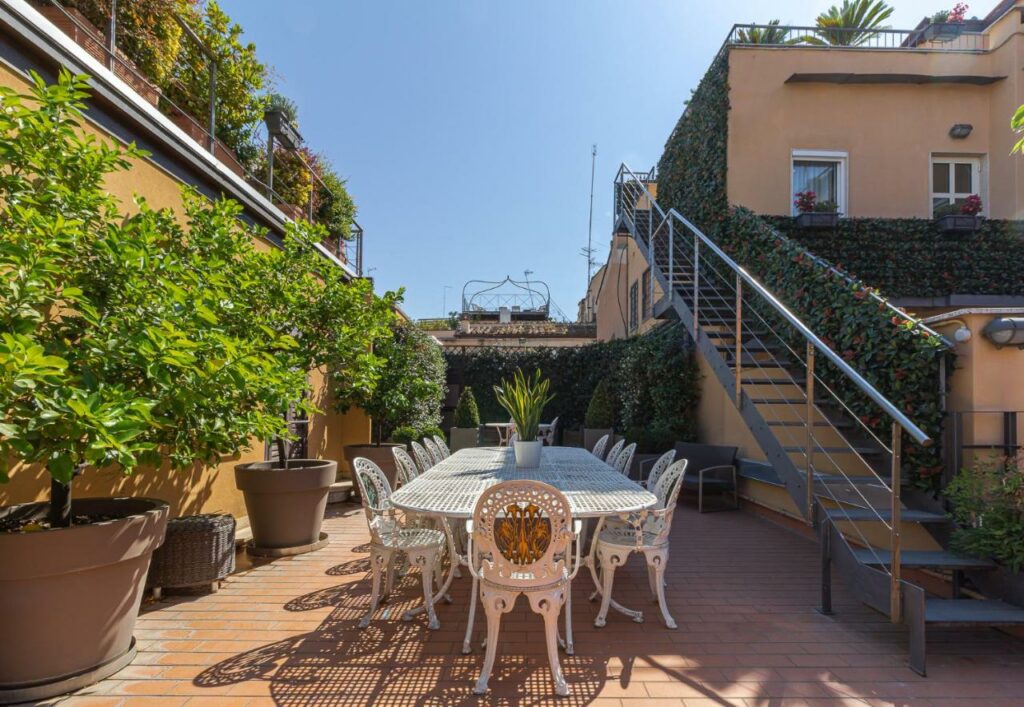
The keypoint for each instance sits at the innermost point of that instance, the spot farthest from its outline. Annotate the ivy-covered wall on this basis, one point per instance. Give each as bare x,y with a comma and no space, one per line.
654,378
902,361
913,258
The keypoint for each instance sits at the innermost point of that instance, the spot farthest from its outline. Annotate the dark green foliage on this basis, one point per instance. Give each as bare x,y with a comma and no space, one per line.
659,389
658,401
913,258
466,413
988,506
692,169
601,408
410,386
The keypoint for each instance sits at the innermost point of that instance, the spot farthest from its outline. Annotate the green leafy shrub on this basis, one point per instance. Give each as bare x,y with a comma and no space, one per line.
601,409
241,78
466,413
409,385
988,506
405,435
124,336
147,32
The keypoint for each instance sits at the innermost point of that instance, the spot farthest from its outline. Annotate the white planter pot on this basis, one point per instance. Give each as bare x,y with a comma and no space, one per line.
528,454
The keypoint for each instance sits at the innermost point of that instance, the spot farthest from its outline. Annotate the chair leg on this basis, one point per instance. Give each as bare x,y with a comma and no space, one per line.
496,603
700,495
466,643
570,648
389,576
548,604
425,560
650,582
380,559
609,560
657,560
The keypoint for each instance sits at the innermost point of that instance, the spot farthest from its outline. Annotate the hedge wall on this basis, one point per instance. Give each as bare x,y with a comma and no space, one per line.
887,350
654,376
913,258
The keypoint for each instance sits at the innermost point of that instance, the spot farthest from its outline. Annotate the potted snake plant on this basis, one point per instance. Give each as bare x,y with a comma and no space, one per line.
524,400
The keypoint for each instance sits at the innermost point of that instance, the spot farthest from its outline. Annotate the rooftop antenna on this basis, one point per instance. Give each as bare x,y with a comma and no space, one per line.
526,275
588,252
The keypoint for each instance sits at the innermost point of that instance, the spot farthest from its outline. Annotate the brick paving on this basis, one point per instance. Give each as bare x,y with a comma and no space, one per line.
743,591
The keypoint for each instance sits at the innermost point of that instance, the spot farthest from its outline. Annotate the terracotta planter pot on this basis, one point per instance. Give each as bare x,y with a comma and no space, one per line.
286,506
464,438
69,596
381,456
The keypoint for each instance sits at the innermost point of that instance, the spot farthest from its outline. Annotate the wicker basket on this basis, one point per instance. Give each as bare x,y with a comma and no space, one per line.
198,550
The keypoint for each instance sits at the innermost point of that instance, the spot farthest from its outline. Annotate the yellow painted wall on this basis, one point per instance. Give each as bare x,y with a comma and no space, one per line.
200,490
626,265
888,131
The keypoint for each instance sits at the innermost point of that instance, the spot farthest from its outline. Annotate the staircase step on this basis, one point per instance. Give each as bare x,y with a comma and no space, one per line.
838,450
855,479
774,381
874,514
985,612
839,424
931,559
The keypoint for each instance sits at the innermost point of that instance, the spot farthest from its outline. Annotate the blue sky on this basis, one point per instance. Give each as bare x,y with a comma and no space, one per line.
464,128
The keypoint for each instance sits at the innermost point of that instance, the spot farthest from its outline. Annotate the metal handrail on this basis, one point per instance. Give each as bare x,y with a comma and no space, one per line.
890,409
966,38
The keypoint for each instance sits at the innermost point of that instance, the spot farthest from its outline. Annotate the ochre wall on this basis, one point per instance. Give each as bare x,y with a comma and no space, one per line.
888,131
626,265
199,490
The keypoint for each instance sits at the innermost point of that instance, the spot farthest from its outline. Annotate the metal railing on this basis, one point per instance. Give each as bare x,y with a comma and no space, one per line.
956,37
695,269
103,47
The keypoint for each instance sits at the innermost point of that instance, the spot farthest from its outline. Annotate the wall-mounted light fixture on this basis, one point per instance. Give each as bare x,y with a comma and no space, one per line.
960,131
1005,331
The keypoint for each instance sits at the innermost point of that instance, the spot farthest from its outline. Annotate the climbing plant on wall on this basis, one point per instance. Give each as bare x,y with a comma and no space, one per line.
900,359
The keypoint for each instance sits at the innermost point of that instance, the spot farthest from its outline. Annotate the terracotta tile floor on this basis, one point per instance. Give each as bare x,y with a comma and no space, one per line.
742,590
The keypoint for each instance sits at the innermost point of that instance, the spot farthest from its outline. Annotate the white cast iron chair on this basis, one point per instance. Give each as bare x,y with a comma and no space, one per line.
443,446
404,465
433,450
389,538
613,454
423,459
521,542
659,468
625,459
646,532
599,447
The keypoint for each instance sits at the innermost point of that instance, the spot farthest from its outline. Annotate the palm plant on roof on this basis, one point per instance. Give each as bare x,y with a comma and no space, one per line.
851,24
771,33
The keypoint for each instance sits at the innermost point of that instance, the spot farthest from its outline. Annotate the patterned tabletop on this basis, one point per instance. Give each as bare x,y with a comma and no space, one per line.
452,487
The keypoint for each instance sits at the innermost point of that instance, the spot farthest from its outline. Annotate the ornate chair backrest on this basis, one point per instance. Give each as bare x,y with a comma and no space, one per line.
614,453
599,447
667,491
433,450
443,446
404,465
523,529
376,498
659,468
625,459
423,458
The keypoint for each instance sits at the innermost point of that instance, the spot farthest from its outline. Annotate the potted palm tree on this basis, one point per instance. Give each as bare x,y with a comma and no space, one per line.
120,350
524,400
852,24
466,432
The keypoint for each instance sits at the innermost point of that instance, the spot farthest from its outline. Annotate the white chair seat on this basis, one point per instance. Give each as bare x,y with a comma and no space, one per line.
410,538
623,535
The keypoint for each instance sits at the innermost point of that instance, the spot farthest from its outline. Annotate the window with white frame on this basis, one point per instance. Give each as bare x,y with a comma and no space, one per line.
822,172
954,178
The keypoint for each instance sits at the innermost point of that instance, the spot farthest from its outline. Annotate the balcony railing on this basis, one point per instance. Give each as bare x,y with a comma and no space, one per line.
104,49
955,37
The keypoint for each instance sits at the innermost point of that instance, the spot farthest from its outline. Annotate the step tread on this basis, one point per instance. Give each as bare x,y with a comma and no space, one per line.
939,559
972,611
840,424
837,450
866,514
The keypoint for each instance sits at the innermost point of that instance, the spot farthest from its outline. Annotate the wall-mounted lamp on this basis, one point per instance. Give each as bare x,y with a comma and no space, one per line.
960,131
962,335
1005,331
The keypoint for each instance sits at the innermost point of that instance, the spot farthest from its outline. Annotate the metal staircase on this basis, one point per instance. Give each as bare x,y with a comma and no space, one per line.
843,477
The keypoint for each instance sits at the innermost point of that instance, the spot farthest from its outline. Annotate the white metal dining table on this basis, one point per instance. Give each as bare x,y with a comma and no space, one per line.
450,489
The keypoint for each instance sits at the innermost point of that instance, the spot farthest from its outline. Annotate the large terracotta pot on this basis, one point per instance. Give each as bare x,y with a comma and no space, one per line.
69,597
381,456
464,438
286,506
